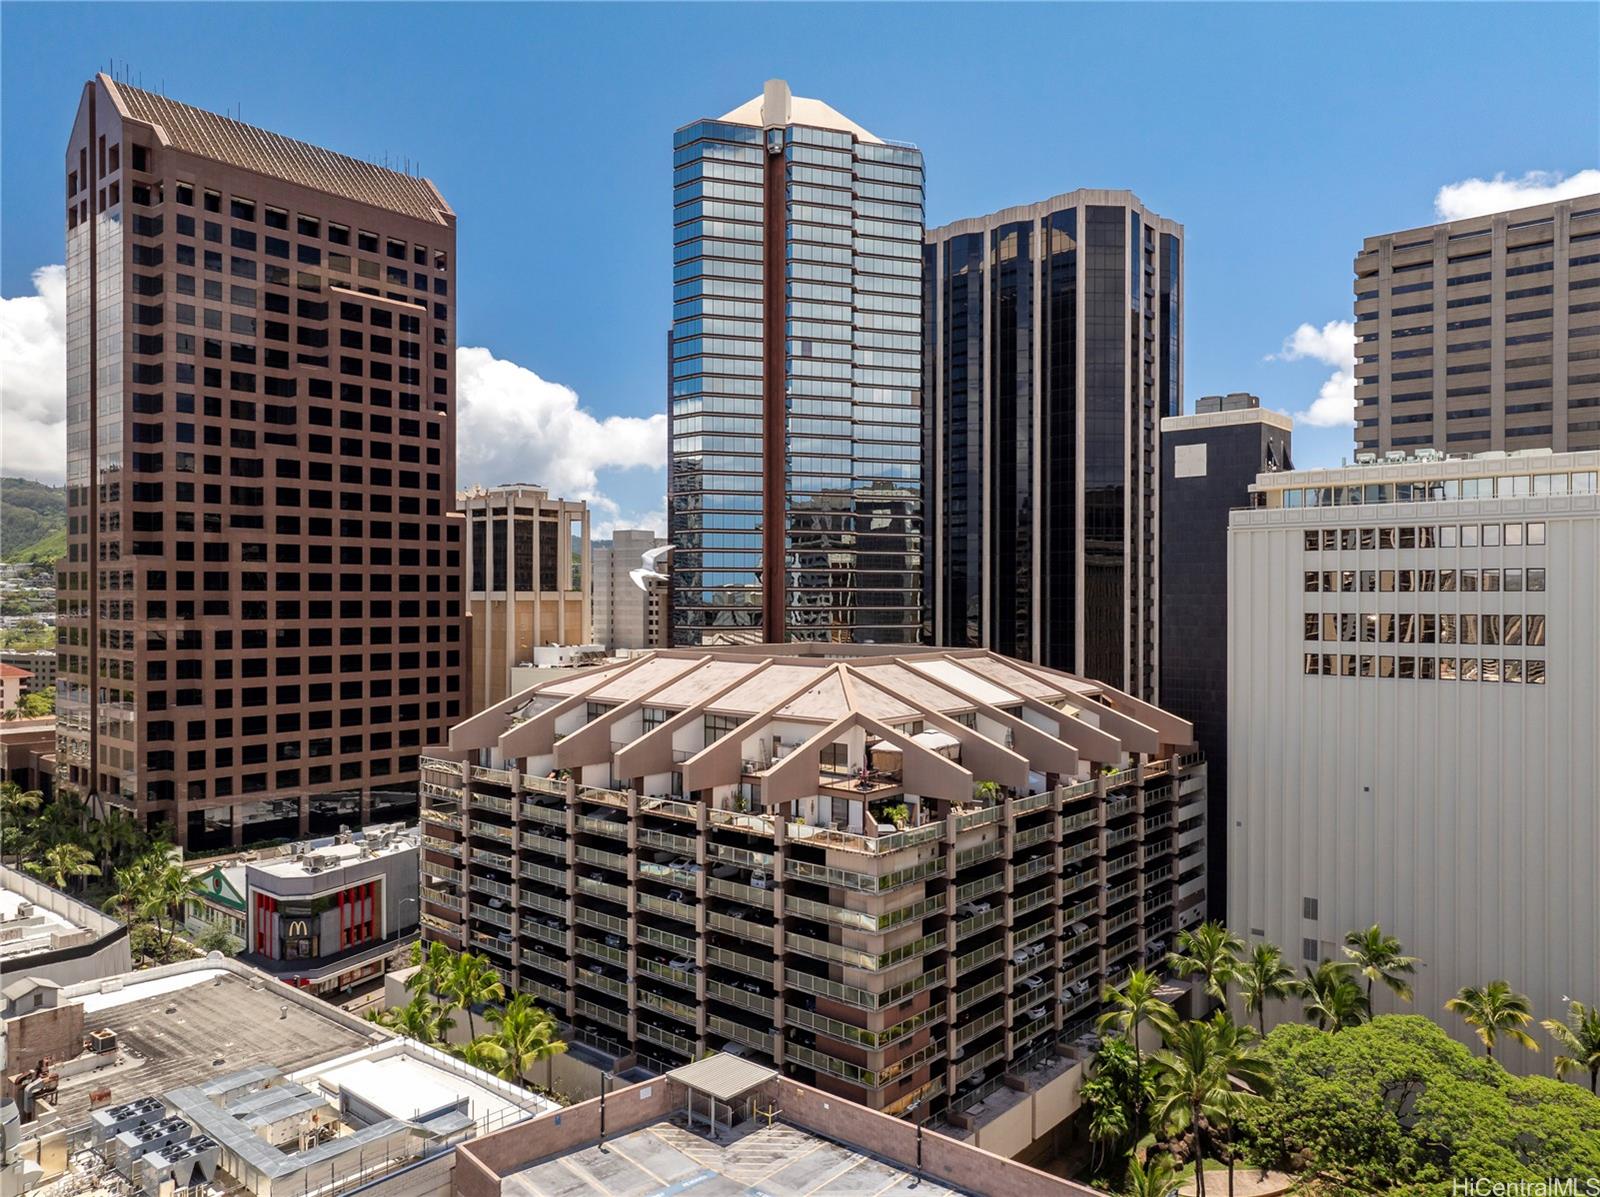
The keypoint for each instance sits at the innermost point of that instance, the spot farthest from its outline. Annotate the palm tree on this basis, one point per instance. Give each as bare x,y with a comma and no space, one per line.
1579,1035
1265,977
473,982
1332,998
1379,957
1249,1073
63,863
525,1034
1157,1178
433,962
1212,951
1493,1011
987,792
1191,1088
1108,1117
17,808
421,1019
1137,1002
484,1053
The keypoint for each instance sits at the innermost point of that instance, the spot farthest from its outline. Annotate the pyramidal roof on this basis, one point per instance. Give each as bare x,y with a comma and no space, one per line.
777,106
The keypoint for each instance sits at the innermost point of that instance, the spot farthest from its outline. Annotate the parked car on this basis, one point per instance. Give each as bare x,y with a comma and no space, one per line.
969,910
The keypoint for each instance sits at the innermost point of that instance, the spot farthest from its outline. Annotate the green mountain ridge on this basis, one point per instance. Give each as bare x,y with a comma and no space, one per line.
33,520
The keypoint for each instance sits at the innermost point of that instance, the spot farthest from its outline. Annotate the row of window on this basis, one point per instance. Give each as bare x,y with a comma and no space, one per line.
1404,581
1448,536
1425,628
1578,482
1443,669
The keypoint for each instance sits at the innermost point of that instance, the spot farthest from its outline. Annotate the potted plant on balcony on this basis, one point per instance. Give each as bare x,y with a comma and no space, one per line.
987,792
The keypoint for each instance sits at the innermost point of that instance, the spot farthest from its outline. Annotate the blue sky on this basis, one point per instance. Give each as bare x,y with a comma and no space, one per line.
1279,134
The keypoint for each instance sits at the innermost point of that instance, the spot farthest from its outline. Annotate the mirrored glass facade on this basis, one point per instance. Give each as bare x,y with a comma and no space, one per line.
795,380
1053,349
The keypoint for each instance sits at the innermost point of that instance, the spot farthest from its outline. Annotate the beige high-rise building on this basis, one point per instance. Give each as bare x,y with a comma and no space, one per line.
528,571
903,876
1481,334
624,615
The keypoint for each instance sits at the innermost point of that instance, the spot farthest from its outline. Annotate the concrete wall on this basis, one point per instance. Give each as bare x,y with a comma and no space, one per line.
484,1163
103,951
1462,816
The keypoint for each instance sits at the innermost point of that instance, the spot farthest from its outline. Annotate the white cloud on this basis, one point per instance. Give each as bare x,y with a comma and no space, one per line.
1479,197
33,378
514,426
1334,344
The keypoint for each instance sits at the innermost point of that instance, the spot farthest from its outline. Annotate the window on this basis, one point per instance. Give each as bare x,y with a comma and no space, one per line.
1308,908
1308,949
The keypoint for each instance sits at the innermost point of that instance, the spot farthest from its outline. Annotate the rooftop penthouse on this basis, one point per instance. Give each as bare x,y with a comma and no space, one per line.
903,876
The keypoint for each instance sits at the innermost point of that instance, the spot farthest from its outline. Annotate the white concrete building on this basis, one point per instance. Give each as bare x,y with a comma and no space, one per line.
1414,735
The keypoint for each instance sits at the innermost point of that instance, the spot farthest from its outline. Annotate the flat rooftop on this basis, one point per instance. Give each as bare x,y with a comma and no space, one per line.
665,1158
217,1024
362,845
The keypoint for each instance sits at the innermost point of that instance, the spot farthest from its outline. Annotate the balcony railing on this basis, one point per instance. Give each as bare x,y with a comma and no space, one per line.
739,962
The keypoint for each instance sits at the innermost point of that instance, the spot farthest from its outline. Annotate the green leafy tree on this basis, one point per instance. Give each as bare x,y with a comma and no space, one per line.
473,982
484,1052
18,807
1579,1039
1378,956
38,703
1211,952
217,938
1264,977
1396,1105
1114,1094
1136,1003
1332,998
1493,1011
524,1034
62,865
433,962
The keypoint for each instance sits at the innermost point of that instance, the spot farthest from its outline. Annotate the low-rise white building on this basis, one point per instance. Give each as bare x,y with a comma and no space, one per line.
1414,735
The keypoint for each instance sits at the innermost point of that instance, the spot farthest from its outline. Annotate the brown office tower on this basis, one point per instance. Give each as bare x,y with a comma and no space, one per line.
1481,334
260,606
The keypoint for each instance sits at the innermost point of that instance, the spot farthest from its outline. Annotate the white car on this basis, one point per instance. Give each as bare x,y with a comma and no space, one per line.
760,880
968,910
1033,983
682,964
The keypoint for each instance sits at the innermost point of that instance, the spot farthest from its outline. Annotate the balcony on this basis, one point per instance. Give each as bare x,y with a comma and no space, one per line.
488,914
556,877
743,998
664,972
761,1041
604,1015
664,1038
497,860
974,994
682,945
739,962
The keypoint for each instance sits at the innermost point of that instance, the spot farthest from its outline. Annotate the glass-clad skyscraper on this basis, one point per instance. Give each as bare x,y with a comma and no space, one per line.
795,484
1053,336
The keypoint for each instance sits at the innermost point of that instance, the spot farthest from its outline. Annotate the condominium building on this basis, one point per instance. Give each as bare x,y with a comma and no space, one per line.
794,480
39,663
1209,461
624,614
1052,351
901,875
260,603
1414,656
528,571
1481,334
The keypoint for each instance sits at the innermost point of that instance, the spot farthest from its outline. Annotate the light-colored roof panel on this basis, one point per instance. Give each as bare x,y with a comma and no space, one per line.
911,687
207,135
802,111
878,702
951,674
700,684
1013,679
825,701
581,680
772,683
656,672
722,1076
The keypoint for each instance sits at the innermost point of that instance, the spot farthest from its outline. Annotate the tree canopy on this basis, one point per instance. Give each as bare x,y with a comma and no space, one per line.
1396,1105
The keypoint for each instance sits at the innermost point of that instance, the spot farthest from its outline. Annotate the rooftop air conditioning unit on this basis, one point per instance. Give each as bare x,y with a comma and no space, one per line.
1394,456
1366,458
